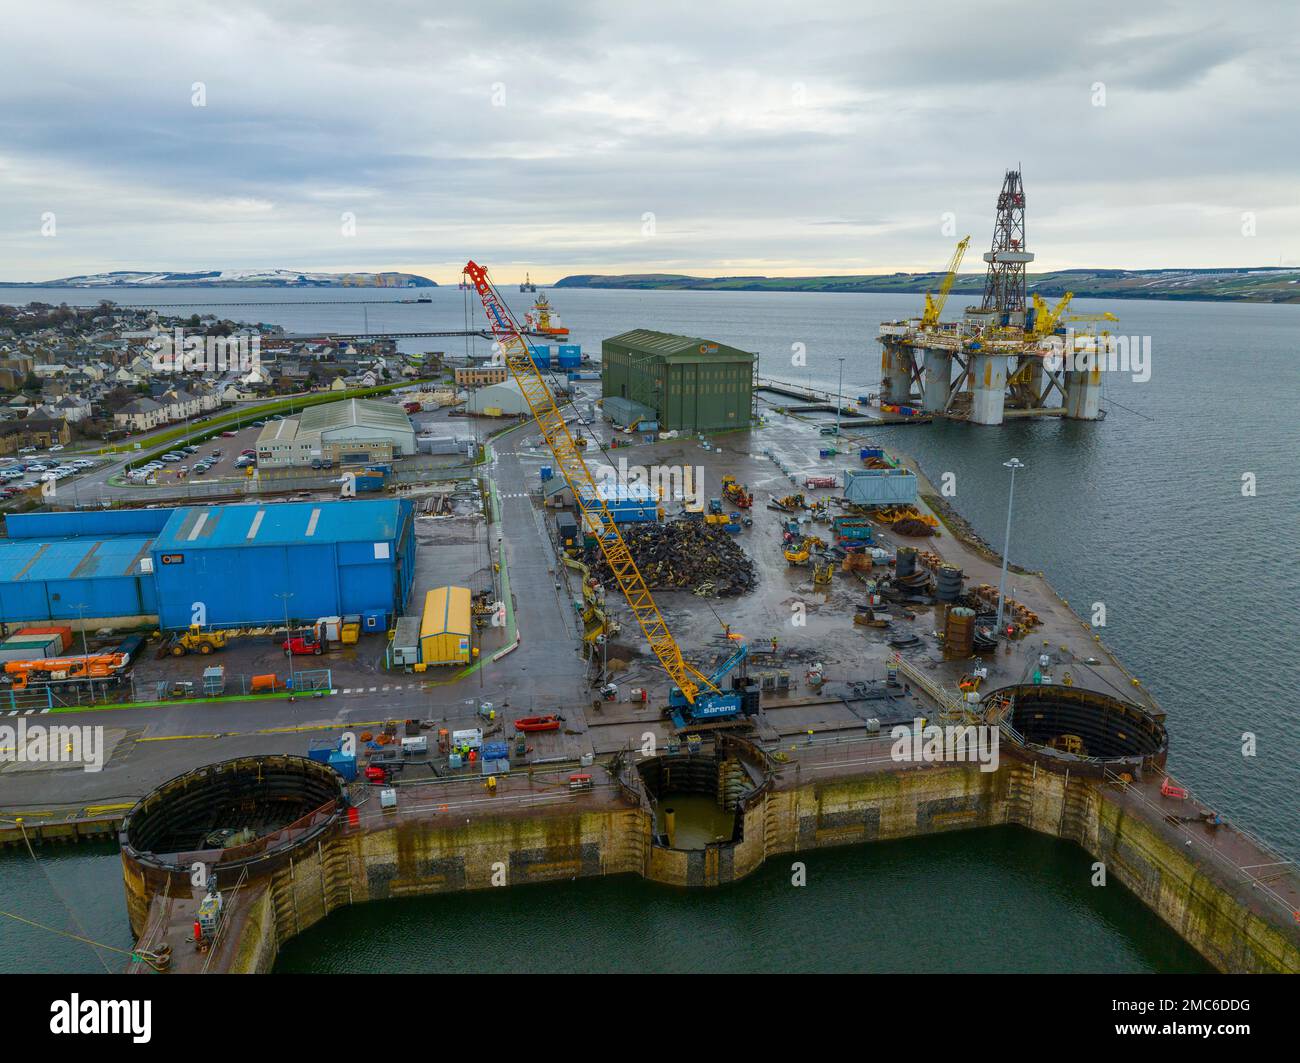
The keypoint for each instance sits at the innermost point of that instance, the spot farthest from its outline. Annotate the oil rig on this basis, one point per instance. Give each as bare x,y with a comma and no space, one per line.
1013,355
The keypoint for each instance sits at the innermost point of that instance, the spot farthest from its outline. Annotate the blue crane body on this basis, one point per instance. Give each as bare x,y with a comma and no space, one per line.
710,707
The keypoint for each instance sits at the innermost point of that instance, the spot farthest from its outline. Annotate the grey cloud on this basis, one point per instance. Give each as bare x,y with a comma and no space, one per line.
828,138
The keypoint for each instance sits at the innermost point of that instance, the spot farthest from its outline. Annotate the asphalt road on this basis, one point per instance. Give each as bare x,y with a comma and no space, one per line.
543,673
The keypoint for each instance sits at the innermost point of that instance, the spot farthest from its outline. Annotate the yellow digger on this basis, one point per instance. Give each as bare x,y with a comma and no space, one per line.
196,640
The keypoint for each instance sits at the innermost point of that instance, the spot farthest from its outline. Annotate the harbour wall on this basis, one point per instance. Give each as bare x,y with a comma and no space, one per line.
1200,900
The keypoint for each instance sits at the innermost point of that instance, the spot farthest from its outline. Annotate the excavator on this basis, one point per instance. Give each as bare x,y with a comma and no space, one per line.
699,694
735,493
596,624
84,667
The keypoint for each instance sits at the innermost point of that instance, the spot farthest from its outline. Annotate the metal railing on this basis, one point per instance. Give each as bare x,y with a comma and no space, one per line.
1275,860
949,707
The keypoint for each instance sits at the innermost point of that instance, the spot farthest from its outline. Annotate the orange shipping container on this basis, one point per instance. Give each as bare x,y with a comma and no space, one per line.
64,632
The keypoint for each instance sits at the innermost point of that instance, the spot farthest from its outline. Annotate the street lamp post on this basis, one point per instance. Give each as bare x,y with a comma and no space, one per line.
1013,465
284,596
839,399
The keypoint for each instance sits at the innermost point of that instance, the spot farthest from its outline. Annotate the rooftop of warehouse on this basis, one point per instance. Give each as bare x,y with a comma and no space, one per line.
671,345
30,559
352,412
282,523
284,431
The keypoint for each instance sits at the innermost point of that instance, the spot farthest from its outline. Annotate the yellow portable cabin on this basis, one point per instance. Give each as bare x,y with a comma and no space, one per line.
446,626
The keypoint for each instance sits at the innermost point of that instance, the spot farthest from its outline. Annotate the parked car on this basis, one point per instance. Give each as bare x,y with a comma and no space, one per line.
227,435
56,447
26,450
27,485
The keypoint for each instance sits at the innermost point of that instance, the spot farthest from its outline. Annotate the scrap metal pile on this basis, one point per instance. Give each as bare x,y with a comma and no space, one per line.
687,555
908,521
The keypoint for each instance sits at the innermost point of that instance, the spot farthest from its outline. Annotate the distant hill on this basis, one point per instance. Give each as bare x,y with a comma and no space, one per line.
232,278
1261,285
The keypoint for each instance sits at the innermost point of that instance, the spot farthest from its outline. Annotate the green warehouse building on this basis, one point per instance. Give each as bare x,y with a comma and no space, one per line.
688,383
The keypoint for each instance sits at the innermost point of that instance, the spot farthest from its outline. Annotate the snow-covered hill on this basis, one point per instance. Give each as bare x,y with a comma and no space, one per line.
238,278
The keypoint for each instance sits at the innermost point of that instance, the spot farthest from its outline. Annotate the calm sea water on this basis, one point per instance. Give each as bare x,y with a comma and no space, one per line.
1143,512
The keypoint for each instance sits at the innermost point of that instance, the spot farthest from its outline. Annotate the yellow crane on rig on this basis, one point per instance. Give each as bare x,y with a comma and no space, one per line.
934,304
693,684
1045,318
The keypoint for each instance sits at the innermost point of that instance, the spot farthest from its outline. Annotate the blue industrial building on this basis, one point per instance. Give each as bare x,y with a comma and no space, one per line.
246,564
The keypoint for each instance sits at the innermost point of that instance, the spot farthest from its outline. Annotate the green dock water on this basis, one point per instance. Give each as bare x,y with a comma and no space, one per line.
995,900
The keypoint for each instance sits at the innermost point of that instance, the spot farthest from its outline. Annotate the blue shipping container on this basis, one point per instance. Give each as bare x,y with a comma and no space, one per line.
345,766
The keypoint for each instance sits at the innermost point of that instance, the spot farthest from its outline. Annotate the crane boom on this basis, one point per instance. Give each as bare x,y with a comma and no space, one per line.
569,460
1045,317
934,306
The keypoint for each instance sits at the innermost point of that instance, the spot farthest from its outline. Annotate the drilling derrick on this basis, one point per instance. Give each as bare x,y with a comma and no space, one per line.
1004,284
1004,356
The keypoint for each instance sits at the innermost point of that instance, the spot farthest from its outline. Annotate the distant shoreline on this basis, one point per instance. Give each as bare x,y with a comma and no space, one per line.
1278,286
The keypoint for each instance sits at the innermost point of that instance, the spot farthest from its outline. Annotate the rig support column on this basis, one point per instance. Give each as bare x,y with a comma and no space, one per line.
988,388
938,381
896,374
1083,394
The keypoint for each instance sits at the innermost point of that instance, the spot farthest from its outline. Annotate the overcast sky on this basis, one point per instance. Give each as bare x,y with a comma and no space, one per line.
609,137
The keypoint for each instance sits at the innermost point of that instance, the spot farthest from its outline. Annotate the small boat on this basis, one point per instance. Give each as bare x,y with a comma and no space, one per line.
529,724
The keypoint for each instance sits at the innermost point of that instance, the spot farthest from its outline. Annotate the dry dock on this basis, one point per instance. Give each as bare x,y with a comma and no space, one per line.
819,765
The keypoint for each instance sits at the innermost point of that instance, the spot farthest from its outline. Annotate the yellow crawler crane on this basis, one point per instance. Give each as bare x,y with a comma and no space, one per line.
568,458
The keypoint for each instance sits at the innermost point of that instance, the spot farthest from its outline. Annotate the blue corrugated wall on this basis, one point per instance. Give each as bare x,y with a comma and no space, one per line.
240,585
